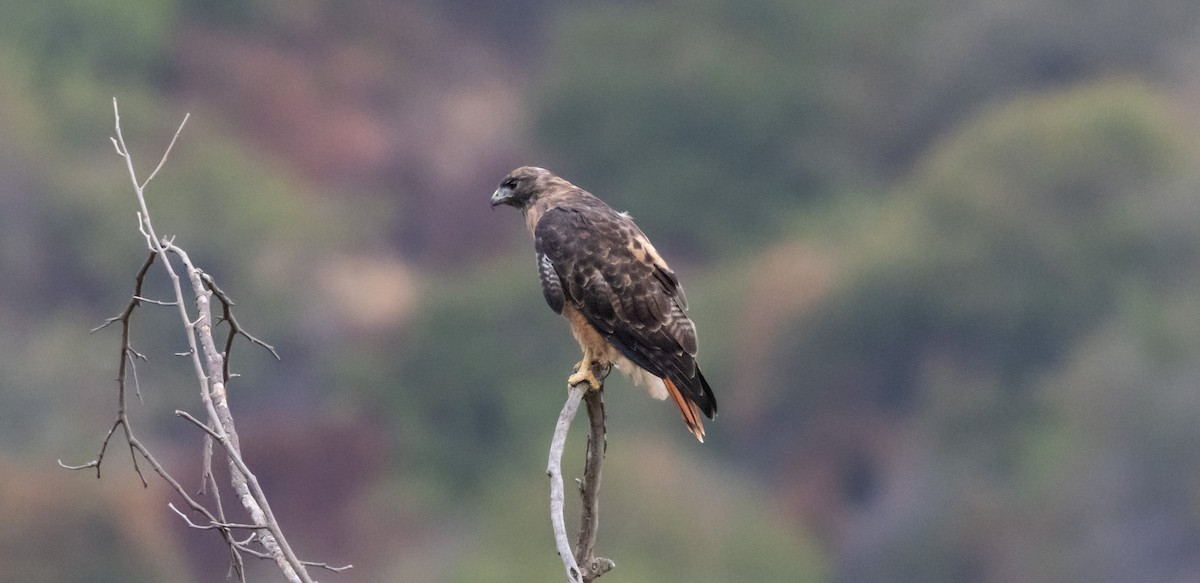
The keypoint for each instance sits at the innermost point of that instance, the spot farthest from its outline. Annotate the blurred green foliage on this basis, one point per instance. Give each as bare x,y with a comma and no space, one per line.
670,107
992,377
665,515
1015,240
477,373
1016,235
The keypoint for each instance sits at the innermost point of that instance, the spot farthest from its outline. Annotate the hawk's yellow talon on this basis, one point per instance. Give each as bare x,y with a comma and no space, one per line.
584,375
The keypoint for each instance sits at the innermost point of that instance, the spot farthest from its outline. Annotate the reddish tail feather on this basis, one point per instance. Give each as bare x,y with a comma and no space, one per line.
690,411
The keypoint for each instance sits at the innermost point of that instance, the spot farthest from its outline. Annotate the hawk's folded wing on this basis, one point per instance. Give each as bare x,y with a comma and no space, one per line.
601,263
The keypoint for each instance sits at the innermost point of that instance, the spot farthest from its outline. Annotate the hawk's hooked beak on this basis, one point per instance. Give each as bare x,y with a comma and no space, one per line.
501,196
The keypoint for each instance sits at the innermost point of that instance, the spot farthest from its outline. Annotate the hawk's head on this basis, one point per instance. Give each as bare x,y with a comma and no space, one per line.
521,187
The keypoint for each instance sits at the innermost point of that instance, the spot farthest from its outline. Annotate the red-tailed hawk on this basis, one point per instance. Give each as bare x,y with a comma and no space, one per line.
625,305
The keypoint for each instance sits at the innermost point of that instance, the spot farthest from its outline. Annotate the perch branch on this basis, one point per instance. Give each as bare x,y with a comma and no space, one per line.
554,470
589,491
581,566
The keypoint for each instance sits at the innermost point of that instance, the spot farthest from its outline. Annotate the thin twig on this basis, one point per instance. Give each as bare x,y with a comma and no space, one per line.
328,567
166,152
150,301
235,328
122,420
214,524
211,433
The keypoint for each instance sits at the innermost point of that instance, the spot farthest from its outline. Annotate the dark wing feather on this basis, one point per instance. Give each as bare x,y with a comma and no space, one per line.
611,274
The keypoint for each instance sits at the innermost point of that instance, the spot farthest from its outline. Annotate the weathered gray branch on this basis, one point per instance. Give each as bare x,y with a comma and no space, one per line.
589,491
245,484
581,566
554,470
210,392
210,366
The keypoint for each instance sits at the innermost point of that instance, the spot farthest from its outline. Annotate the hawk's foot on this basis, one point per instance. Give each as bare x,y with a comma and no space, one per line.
586,374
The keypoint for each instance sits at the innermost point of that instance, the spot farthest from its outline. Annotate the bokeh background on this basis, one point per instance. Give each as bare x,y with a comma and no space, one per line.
944,257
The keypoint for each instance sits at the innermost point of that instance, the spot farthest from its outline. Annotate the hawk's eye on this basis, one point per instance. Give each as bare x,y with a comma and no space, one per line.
511,183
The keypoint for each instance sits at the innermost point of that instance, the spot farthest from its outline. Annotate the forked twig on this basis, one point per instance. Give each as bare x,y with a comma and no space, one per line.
582,566
235,329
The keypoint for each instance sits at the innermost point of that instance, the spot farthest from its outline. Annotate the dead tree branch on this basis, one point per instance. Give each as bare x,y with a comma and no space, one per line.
211,370
554,470
235,329
245,484
589,491
582,566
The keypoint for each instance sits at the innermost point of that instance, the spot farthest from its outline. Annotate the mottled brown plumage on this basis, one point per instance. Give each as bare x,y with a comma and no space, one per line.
625,305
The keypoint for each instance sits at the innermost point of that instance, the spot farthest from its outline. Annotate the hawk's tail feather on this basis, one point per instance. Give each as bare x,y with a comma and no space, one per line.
705,398
689,409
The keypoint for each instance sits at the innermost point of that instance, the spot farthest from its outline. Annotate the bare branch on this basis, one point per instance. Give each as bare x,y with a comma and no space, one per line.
206,472
235,328
589,490
166,152
582,566
122,420
214,524
212,433
554,470
133,355
106,324
245,484
212,375
156,302
136,448
90,464
329,567
252,498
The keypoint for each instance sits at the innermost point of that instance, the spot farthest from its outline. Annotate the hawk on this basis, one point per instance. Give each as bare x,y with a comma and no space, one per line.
625,305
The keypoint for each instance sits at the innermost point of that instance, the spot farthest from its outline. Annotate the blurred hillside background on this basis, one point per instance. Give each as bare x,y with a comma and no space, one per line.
944,258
